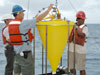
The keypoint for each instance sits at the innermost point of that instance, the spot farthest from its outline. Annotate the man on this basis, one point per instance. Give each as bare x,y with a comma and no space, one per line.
9,51
77,44
21,37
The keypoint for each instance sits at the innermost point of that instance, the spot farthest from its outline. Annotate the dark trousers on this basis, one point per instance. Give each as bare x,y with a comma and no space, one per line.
9,53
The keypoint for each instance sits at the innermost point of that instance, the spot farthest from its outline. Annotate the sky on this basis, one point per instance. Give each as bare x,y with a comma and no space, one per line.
68,8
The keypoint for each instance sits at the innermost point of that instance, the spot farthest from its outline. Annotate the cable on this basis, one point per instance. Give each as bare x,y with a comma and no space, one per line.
72,5
28,8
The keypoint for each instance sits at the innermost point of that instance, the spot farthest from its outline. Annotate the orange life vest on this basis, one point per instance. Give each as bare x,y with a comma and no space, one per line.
78,39
15,37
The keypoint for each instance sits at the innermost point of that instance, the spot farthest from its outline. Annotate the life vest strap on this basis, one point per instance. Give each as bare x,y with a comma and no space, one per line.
19,34
17,41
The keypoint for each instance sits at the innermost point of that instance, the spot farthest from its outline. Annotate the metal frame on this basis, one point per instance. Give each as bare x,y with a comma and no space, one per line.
42,59
68,47
74,47
46,51
33,65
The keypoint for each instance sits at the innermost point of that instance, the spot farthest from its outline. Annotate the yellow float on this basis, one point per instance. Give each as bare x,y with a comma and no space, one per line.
57,37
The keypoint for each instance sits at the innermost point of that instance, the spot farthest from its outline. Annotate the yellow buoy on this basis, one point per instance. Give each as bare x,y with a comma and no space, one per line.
57,37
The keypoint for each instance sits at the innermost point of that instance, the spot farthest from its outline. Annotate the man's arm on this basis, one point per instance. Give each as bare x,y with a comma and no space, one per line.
27,24
40,17
83,33
80,33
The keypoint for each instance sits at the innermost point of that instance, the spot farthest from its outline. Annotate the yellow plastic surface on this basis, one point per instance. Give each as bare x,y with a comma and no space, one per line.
57,37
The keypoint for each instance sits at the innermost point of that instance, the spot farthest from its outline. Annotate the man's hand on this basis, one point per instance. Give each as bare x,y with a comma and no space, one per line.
40,17
80,33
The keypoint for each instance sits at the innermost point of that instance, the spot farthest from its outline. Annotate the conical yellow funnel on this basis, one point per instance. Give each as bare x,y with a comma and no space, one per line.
57,36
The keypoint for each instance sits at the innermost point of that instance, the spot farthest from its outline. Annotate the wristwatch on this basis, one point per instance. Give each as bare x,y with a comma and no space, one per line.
76,27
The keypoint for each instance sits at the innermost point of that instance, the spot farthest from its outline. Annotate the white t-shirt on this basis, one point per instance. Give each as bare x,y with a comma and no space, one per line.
78,48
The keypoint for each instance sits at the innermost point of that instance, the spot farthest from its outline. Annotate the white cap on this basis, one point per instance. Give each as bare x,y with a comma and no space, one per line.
7,16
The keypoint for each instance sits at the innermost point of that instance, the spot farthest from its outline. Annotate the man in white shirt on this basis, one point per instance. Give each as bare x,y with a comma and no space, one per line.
9,50
77,48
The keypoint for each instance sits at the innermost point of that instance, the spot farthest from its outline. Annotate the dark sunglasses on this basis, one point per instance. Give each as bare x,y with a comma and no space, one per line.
78,19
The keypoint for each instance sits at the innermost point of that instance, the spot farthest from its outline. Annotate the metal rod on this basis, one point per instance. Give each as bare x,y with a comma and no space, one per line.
74,46
68,46
54,25
61,62
42,59
56,6
28,8
46,53
34,52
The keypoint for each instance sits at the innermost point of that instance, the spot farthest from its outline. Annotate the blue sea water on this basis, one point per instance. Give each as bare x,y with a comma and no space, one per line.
92,56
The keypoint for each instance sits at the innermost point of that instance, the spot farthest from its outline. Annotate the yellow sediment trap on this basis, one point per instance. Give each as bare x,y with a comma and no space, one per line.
57,37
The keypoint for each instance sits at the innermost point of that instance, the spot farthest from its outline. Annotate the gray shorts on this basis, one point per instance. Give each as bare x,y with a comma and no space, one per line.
23,65
80,61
